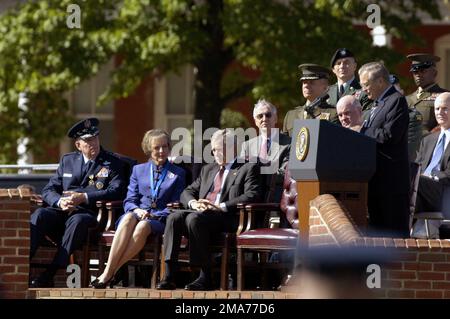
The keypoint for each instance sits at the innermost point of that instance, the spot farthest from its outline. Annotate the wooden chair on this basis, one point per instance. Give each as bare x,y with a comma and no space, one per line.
98,236
222,244
150,254
264,241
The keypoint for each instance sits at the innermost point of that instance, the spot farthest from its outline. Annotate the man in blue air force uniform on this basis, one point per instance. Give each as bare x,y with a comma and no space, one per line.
82,178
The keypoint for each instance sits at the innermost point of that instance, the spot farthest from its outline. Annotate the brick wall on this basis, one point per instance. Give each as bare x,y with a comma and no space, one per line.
419,268
14,243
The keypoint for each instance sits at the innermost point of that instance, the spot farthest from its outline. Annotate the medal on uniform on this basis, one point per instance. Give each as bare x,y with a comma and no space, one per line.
91,180
99,185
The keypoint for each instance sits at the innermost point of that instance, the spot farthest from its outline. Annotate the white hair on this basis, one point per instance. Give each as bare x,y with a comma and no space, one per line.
375,70
442,98
351,100
262,103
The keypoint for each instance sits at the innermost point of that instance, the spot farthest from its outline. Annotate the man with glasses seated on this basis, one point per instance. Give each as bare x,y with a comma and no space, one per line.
270,148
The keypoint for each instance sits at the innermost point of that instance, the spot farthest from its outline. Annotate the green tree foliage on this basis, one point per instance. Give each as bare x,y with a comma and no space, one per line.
40,55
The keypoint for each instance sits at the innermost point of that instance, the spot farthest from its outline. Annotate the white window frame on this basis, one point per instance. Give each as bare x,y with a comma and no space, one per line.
441,46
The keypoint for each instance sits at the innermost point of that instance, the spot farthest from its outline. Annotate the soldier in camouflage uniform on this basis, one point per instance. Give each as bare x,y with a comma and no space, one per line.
314,79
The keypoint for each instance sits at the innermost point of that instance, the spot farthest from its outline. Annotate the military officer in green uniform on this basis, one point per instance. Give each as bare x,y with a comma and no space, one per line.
424,71
343,65
314,79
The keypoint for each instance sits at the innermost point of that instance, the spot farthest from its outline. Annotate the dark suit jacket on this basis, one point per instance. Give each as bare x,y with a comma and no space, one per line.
389,127
108,173
241,185
426,153
139,194
389,187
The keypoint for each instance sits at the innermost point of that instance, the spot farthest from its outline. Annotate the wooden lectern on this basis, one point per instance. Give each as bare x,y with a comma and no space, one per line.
328,159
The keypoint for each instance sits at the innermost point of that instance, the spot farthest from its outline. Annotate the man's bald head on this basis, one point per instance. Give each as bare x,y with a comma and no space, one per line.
442,109
349,111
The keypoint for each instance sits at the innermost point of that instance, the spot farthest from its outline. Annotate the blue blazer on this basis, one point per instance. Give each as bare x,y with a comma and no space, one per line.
139,195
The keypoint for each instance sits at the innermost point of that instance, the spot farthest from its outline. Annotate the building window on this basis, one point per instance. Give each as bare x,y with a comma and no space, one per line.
174,101
442,49
83,101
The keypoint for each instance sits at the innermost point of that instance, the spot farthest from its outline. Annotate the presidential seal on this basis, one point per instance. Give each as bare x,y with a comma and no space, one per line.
302,145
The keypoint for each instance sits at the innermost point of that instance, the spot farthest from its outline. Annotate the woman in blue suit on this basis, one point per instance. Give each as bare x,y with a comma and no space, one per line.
152,186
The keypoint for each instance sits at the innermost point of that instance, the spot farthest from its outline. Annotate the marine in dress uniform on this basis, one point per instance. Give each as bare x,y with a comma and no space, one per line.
343,64
314,79
423,68
82,178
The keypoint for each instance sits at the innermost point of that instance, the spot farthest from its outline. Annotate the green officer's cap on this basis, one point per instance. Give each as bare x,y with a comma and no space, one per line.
422,61
309,71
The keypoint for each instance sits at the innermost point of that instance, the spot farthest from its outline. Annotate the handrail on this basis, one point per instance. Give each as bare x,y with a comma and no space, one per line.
33,167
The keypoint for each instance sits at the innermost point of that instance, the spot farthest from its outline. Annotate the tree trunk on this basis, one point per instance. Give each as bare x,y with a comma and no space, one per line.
210,69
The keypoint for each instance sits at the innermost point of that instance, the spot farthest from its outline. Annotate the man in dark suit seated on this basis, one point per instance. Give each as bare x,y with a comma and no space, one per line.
212,201
82,178
434,158
270,147
387,123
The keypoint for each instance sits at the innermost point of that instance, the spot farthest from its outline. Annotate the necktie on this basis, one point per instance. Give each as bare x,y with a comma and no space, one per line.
263,150
437,157
341,90
86,167
211,196
373,110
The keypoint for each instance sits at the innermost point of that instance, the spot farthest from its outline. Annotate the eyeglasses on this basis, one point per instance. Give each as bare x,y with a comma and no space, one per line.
260,116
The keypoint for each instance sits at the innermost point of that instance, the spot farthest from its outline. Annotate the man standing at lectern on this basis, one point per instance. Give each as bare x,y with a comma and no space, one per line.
388,124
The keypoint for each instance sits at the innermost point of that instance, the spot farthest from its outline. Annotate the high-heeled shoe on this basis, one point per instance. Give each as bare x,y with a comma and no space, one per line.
96,284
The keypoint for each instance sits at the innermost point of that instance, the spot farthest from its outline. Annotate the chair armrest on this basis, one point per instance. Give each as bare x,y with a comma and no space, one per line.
37,200
257,207
175,205
246,212
429,215
114,204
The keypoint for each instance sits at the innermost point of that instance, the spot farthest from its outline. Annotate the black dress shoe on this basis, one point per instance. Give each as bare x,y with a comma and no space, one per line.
96,284
102,285
197,285
42,281
166,285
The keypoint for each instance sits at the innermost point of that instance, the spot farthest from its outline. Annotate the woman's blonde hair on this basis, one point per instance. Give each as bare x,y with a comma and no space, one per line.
148,139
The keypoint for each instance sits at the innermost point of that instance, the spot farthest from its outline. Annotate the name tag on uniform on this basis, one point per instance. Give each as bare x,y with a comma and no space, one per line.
67,175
